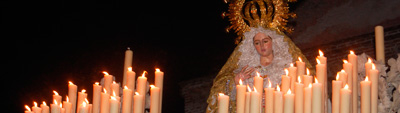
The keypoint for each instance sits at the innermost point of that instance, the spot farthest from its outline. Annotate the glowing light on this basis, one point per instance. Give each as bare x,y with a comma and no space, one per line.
373,66
125,87
345,61
291,65
105,73
34,103
158,70
44,103
83,91
136,93
351,52
287,72
308,71
289,92
258,74
97,83
70,83
129,68
27,108
255,90
316,80
369,60
248,88
337,77
269,83
144,73
67,99
366,78
346,86
240,82
221,94
318,62
309,85
320,53
152,86
278,88
104,90
300,59
299,79
55,92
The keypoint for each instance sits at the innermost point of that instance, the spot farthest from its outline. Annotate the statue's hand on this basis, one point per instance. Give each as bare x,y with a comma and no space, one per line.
244,74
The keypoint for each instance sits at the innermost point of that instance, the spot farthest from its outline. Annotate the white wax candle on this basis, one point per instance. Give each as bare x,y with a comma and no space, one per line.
159,81
354,96
96,98
107,82
223,103
36,109
115,88
365,96
348,68
83,108
292,75
55,108
72,92
298,107
278,101
45,108
247,105
307,98
380,44
105,102
127,100
307,79
285,81
301,68
321,57
345,95
269,98
154,99
288,102
240,97
316,97
258,82
127,63
255,101
114,105
130,79
81,97
56,96
67,105
321,73
336,86
368,66
343,77
142,85
374,89
138,103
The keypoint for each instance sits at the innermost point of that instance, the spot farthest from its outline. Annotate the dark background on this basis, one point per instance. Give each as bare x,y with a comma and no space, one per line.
56,41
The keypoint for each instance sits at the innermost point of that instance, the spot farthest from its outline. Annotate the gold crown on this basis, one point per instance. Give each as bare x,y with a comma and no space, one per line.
273,14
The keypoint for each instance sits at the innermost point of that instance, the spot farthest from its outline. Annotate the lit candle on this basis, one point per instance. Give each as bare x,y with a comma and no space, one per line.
269,98
28,109
55,108
247,105
285,81
316,97
374,74
254,101
127,95
154,99
114,105
142,85
348,68
343,77
127,63
354,88
299,96
307,78
159,80
321,57
62,110
96,97
81,97
321,73
345,95
56,96
301,68
115,88
289,102
105,102
36,109
67,105
223,103
130,79
240,97
307,98
368,66
83,107
380,44
107,81
365,96
278,100
138,103
336,86
72,92
45,108
258,82
292,75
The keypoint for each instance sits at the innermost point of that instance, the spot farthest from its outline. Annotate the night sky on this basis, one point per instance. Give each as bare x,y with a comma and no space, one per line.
50,42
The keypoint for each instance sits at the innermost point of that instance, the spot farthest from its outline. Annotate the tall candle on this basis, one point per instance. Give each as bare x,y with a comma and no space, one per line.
159,80
348,68
56,96
138,100
254,101
285,81
105,102
115,88
298,107
223,103
130,78
127,63
354,96
269,98
345,95
321,73
380,44
72,92
301,68
247,105
258,82
240,97
292,75
343,77
321,57
307,98
336,86
114,105
81,97
96,97
55,108
374,88
368,66
36,109
67,105
278,100
142,85
45,108
365,96
154,99
307,79
289,102
107,81
127,95
316,97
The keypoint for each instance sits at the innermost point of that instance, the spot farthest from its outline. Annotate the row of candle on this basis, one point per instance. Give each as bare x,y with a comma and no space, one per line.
309,98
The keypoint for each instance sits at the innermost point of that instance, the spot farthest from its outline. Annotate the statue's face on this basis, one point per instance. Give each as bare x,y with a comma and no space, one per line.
263,44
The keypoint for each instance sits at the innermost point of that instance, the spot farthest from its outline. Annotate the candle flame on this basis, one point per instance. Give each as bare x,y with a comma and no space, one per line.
67,98
366,78
221,94
308,71
27,108
369,60
55,92
255,90
240,82
337,76
86,100
113,98
248,88
105,73
129,68
300,59
136,93
158,70
342,71
104,90
316,80
70,83
291,65
144,73
346,86
125,87
114,93
278,88
258,74
34,103
83,91
318,62
269,83
351,52
287,72
289,92
84,104
299,79
320,53
97,83
309,85
60,105
345,61
55,101
114,82
44,103
152,86
373,66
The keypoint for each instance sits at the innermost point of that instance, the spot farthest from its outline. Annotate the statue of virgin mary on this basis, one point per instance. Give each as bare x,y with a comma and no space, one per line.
263,47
